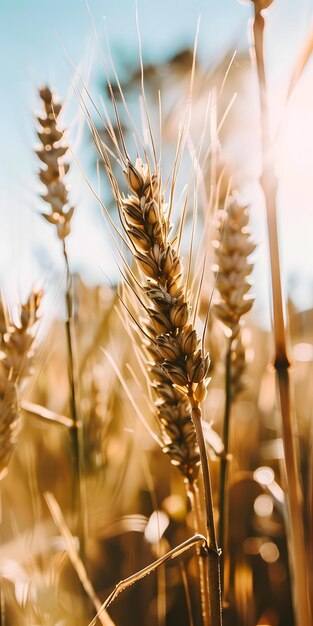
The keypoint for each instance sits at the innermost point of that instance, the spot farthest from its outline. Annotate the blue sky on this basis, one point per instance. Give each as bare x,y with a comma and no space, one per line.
36,38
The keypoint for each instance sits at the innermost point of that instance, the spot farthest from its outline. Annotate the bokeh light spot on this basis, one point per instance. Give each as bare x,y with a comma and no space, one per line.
269,552
263,506
264,475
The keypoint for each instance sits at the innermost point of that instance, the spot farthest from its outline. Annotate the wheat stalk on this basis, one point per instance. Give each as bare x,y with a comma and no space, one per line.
268,181
52,153
180,368
234,301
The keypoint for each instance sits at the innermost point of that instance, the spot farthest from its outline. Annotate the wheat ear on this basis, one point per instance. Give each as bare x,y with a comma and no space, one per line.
180,365
173,413
234,301
52,152
16,345
181,445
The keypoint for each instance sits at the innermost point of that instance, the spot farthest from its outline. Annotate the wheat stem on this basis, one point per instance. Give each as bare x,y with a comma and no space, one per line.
193,495
179,368
281,362
68,324
213,553
223,508
233,302
76,434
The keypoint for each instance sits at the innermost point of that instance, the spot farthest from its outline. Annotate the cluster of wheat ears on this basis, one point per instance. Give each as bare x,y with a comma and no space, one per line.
159,302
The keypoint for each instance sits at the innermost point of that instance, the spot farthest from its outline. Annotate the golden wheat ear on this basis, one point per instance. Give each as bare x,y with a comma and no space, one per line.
52,152
17,354
179,370
234,269
233,301
178,366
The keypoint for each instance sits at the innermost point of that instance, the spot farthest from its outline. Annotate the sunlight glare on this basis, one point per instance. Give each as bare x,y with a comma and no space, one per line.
264,475
156,527
303,352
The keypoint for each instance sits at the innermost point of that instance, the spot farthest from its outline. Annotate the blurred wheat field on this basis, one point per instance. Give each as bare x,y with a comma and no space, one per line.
156,429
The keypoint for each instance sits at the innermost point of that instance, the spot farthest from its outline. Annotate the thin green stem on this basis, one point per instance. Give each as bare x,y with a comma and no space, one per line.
76,429
223,499
213,554
297,555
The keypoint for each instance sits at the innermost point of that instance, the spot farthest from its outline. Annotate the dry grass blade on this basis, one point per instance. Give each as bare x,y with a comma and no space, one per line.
172,554
45,414
77,563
